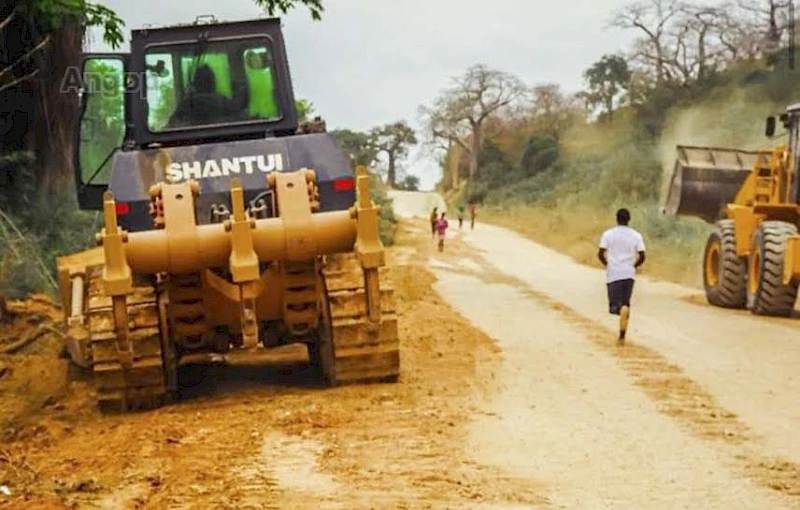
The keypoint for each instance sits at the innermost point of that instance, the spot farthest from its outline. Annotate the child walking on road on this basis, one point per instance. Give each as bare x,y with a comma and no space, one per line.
434,218
441,229
619,247
472,214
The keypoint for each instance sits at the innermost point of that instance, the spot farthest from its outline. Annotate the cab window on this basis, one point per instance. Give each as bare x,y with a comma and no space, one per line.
102,126
210,83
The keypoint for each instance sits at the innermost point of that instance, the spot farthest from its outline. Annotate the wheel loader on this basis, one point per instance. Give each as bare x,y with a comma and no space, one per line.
228,227
752,258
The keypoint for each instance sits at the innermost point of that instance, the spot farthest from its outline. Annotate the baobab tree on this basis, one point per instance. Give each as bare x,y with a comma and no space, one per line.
394,140
459,114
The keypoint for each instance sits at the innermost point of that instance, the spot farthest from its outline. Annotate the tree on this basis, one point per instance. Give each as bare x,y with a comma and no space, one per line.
540,154
607,79
651,18
357,146
459,113
42,40
737,34
394,140
274,6
410,183
553,111
767,27
305,109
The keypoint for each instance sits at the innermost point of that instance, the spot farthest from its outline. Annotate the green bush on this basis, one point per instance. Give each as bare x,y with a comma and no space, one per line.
31,241
541,152
388,223
34,230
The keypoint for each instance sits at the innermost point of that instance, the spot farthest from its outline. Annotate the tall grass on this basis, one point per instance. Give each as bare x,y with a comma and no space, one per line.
29,246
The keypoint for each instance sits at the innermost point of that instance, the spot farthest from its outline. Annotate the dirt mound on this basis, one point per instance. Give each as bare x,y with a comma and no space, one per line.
33,373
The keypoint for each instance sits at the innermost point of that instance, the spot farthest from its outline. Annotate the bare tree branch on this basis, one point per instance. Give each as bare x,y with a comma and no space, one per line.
27,54
8,19
20,80
461,112
652,18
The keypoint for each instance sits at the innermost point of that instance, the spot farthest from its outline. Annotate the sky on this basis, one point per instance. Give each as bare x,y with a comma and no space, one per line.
372,62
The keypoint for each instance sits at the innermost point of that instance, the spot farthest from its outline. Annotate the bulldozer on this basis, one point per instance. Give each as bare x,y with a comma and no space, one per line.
229,226
752,198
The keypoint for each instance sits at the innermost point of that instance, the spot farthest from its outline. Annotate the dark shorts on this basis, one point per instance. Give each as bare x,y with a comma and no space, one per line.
619,295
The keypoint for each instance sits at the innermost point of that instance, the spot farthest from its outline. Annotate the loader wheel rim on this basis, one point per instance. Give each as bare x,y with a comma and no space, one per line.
712,264
754,272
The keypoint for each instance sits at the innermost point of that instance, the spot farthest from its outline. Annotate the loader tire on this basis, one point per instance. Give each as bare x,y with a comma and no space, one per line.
766,292
143,383
363,351
724,272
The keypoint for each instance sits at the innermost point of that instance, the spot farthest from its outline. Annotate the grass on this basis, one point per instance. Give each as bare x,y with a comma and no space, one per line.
674,246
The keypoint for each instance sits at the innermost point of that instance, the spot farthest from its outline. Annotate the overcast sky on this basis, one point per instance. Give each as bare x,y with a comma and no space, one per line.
370,62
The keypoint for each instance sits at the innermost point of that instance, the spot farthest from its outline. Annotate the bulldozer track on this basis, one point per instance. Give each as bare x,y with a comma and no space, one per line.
133,380
364,351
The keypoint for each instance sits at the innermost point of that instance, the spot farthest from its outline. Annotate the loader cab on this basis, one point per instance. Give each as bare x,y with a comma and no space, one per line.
790,120
180,85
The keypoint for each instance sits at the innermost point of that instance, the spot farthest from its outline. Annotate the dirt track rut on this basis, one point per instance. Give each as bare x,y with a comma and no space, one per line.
602,427
749,364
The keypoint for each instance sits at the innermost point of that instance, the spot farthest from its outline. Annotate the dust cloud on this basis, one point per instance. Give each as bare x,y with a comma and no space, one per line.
734,119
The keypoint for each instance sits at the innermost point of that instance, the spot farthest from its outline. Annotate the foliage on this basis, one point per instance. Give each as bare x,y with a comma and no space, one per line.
410,183
356,146
394,140
607,78
35,230
56,12
541,152
387,225
359,149
305,109
460,114
284,6
693,76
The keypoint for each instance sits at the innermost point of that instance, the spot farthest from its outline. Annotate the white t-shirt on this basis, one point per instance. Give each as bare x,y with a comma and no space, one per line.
622,245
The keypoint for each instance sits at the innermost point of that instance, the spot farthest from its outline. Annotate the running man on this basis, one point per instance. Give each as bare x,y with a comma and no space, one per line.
460,216
618,247
441,229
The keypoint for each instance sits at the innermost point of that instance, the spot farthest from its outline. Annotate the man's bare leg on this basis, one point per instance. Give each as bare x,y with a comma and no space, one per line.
624,315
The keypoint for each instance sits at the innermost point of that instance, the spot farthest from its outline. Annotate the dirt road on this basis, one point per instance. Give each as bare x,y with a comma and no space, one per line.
259,436
416,204
699,410
512,396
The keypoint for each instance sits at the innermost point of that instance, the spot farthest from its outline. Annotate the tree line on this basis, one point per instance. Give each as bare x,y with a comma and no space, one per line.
392,141
486,117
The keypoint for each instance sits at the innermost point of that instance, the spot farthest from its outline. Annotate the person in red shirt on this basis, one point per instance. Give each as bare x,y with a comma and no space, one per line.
441,230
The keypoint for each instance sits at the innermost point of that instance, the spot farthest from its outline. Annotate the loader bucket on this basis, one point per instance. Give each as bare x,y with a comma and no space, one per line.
705,179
